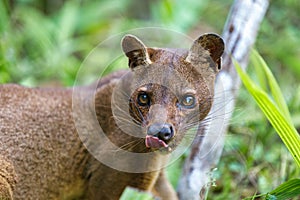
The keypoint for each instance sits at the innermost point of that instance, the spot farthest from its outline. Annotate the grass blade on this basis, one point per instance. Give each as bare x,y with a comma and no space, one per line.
279,121
286,190
275,90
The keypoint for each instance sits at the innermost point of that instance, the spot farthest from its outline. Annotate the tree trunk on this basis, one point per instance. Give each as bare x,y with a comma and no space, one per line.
239,35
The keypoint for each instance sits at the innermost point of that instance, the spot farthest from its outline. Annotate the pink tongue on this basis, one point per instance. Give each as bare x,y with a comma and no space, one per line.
154,142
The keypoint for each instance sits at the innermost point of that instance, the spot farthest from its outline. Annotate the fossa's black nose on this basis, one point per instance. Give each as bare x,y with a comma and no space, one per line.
163,131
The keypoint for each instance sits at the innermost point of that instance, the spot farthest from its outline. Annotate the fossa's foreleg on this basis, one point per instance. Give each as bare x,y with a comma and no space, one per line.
163,188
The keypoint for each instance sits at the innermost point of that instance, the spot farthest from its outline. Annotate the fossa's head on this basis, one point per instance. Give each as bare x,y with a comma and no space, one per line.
171,90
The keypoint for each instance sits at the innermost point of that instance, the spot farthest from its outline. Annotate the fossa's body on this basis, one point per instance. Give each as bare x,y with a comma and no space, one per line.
42,155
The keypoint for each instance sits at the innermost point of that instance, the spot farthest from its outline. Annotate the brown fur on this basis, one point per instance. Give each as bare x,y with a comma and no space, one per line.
42,156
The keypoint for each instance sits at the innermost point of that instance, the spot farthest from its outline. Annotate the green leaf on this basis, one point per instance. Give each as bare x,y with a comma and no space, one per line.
4,18
131,193
286,190
259,71
279,121
275,89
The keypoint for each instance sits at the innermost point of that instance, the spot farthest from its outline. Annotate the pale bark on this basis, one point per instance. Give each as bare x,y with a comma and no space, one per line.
239,35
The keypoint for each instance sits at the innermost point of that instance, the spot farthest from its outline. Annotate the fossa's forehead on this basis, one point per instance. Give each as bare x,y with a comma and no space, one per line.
170,76
175,56
165,80
174,61
166,55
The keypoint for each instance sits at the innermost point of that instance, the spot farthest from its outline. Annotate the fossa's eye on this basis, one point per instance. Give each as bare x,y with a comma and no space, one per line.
188,101
143,99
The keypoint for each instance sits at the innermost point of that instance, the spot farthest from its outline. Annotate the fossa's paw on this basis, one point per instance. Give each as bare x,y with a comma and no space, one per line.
5,190
7,179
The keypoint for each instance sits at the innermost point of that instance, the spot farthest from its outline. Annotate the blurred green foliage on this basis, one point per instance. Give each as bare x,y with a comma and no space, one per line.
43,42
46,41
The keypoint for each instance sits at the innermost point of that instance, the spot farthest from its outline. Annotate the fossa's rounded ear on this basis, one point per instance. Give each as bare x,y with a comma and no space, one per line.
210,42
136,51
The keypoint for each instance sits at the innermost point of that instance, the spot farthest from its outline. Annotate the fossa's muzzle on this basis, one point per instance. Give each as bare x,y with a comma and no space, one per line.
158,135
